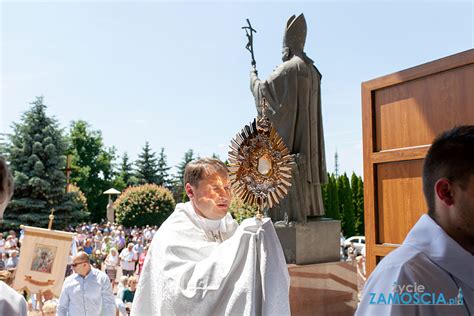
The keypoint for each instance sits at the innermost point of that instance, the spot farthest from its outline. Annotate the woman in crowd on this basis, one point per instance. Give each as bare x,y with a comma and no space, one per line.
49,308
12,261
129,292
141,259
122,286
111,264
88,246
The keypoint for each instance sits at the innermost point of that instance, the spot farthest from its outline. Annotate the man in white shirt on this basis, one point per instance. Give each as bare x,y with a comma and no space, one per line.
432,272
201,262
86,292
128,257
138,247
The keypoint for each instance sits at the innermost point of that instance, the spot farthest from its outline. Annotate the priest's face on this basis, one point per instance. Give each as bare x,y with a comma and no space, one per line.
211,197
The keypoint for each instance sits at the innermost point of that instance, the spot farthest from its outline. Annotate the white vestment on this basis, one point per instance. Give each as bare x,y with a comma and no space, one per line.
201,267
11,303
430,263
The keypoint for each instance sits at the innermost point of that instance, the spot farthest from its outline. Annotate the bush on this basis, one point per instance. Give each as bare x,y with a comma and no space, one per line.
147,204
240,210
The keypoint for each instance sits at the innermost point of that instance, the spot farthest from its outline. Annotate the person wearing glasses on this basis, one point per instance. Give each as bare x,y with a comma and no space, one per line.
87,291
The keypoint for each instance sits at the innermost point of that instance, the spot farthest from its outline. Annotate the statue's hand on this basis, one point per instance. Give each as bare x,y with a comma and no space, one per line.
254,71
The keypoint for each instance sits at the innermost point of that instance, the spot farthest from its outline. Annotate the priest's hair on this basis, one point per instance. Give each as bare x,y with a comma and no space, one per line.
197,169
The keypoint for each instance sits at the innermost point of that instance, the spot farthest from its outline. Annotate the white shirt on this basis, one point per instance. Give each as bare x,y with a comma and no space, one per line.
125,256
89,296
430,261
111,262
200,267
147,234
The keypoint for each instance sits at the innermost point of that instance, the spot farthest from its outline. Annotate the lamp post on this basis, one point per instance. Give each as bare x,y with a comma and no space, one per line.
110,205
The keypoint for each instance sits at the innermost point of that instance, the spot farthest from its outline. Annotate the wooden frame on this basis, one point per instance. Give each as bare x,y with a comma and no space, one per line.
401,114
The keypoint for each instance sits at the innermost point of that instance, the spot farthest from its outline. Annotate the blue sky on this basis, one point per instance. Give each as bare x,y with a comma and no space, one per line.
177,74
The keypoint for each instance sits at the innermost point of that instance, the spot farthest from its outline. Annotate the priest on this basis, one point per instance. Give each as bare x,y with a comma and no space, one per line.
201,262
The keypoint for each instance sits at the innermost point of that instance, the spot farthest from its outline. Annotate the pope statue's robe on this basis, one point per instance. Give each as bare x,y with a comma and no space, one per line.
197,266
293,95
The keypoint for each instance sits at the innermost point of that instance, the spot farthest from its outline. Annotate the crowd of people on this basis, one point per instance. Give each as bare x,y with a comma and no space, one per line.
114,249
9,246
202,262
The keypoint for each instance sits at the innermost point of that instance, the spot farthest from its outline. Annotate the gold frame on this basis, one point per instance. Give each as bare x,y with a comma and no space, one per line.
260,145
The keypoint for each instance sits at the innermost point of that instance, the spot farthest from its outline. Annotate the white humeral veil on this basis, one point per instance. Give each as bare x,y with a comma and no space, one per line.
187,272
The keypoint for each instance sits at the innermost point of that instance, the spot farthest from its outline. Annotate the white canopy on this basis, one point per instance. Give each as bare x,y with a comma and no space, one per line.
112,191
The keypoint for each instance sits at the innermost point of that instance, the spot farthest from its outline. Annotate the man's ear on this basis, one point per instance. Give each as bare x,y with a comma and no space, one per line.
189,190
444,191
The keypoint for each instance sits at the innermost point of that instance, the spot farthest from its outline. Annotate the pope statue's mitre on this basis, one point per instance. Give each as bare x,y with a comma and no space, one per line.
295,33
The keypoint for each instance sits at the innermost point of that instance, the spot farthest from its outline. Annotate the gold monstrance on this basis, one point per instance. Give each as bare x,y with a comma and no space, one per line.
260,164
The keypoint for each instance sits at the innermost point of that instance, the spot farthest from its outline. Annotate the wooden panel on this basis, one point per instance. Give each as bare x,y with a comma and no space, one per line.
400,199
420,71
412,113
401,114
412,153
383,250
369,189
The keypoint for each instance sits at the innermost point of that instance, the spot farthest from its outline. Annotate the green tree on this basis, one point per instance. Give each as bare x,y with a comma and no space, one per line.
332,198
147,166
178,183
125,176
37,159
163,176
347,207
4,145
358,198
92,166
126,170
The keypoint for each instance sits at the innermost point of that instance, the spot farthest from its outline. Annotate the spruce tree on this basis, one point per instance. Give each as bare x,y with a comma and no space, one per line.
125,169
4,145
347,207
147,166
37,159
360,207
126,172
124,176
163,176
324,193
178,185
333,207
354,192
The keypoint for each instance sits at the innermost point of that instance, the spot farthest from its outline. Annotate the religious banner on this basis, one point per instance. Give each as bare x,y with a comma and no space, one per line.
43,259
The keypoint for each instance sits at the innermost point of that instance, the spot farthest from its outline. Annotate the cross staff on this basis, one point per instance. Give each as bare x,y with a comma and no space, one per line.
68,172
249,30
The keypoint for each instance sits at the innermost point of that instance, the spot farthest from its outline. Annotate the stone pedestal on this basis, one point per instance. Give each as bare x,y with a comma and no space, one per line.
323,289
317,241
